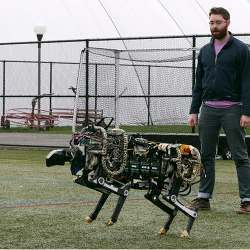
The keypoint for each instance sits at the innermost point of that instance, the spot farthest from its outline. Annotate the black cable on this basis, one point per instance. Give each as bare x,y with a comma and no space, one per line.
172,17
117,30
203,10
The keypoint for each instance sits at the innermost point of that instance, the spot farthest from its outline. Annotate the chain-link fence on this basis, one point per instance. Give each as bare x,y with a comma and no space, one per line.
165,87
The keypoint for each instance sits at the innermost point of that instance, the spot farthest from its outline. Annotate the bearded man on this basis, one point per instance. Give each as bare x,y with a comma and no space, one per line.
222,97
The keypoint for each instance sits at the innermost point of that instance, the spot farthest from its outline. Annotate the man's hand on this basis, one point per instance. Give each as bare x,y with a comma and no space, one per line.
245,121
193,120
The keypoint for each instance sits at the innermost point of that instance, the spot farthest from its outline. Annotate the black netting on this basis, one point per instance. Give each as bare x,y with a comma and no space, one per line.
136,80
137,87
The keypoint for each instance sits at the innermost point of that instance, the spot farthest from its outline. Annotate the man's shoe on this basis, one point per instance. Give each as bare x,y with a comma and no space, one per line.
200,204
244,208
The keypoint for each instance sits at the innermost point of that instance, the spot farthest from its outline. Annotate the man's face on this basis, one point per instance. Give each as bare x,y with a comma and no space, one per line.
218,26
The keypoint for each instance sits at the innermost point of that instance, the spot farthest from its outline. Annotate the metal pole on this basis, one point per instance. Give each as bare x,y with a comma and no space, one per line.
96,82
50,88
193,61
193,68
87,85
3,115
117,90
39,82
149,71
39,30
4,88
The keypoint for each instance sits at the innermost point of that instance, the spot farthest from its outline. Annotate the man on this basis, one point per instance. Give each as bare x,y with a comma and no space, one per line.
222,90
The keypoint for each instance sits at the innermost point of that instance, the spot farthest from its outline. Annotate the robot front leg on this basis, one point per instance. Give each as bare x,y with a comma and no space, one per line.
186,233
98,208
185,210
117,210
169,221
153,196
106,189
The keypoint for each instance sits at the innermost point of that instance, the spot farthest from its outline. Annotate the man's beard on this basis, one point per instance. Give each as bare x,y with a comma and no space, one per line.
220,34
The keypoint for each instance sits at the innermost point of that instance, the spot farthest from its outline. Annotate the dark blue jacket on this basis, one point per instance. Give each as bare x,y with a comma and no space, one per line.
225,77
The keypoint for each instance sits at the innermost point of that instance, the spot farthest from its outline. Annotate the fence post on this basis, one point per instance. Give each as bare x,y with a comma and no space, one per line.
193,68
96,85
50,87
117,89
39,82
3,115
87,84
149,82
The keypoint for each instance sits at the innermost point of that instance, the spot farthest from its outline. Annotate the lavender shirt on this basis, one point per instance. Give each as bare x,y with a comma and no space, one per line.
222,103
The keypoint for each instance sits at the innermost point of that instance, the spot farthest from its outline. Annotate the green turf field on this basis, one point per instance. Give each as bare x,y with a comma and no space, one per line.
42,208
130,129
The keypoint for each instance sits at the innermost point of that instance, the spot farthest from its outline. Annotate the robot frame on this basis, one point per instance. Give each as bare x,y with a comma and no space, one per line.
109,160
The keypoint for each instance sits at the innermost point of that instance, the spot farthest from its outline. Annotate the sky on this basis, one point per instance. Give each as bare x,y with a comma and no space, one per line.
82,19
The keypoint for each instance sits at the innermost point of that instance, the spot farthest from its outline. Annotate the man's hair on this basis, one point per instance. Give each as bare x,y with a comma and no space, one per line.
220,11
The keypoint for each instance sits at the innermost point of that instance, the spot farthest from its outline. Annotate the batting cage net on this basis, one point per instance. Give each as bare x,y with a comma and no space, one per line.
135,87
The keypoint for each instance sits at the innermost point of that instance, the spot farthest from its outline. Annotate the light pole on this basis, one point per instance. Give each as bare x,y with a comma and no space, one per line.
39,30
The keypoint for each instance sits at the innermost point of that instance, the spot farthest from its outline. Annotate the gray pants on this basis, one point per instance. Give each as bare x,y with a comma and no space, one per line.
211,120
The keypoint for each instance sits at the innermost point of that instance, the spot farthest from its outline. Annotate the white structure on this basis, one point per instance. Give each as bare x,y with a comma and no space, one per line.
81,19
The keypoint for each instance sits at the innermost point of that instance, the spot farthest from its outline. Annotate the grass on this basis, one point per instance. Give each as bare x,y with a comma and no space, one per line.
55,130
130,129
42,208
